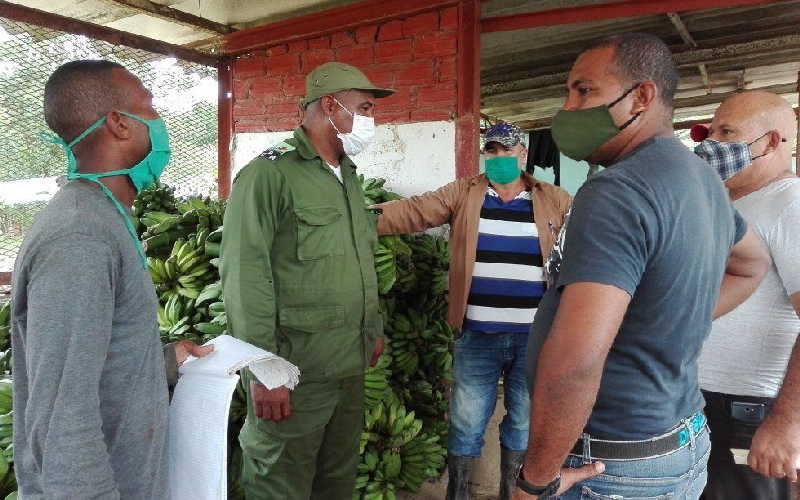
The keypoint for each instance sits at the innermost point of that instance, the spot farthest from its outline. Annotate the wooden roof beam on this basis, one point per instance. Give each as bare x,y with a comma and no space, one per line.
768,48
175,15
115,37
689,40
326,22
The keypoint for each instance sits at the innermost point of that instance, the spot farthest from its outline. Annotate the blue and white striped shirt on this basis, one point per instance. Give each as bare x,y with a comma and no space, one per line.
508,280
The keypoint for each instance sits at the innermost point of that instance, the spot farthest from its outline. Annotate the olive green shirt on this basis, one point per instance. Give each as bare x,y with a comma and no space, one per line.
297,261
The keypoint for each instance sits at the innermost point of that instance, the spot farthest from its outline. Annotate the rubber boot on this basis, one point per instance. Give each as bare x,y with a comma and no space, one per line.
510,465
459,471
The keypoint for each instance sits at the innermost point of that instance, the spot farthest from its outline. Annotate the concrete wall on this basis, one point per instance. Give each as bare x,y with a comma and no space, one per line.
573,174
413,157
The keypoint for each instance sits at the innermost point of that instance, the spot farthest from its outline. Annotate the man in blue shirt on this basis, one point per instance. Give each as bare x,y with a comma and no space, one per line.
635,284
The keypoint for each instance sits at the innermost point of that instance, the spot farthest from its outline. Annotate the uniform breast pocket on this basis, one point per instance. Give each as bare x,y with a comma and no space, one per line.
320,232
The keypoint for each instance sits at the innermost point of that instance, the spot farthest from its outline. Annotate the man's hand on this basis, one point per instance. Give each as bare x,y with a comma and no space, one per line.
377,352
272,404
186,348
569,477
776,448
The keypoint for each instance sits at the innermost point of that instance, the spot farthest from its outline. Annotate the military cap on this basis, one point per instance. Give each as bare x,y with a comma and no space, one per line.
333,77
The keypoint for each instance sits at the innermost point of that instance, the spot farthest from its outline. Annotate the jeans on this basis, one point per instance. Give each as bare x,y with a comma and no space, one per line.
726,479
479,361
678,475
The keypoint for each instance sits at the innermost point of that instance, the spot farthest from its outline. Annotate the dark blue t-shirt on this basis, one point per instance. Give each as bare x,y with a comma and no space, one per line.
659,225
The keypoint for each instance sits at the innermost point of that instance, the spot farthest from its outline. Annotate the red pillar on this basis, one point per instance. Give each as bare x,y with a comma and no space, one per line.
224,127
468,110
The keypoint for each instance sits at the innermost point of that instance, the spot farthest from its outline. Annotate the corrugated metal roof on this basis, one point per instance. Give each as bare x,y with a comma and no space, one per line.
238,14
523,72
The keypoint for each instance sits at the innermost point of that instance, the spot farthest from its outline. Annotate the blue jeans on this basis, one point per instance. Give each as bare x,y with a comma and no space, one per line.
480,359
679,475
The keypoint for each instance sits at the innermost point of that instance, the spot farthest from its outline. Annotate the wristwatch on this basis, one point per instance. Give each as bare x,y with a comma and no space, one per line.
542,492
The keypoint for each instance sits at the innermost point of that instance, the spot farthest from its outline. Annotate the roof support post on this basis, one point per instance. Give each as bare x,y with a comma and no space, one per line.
224,126
468,108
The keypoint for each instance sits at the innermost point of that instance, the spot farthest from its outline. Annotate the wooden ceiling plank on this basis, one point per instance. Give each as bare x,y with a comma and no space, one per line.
686,36
771,50
175,15
116,37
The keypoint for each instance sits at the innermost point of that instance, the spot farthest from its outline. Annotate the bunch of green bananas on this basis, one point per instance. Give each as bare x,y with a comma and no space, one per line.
6,395
5,338
388,428
157,198
374,192
431,260
182,219
376,382
8,482
409,335
173,318
204,317
5,326
438,358
186,271
372,482
385,269
399,276
422,458
218,325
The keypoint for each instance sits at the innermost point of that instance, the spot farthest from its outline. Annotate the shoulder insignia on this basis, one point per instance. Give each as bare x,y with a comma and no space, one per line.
276,151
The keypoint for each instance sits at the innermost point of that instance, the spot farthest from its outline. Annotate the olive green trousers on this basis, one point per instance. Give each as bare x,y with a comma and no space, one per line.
313,454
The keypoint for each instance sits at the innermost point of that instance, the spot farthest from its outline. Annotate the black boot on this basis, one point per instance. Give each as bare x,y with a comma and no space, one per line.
510,464
459,469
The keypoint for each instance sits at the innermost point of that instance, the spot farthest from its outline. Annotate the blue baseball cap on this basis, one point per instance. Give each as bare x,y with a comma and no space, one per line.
505,133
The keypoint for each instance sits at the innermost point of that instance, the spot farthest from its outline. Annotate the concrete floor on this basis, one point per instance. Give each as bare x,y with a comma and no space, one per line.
486,473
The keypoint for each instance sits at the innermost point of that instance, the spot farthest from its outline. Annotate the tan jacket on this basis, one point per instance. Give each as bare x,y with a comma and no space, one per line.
459,203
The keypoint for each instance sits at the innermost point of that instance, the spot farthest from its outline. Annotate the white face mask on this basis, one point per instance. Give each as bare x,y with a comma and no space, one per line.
361,135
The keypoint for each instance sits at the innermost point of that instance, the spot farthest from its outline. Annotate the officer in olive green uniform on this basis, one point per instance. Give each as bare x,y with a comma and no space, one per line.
299,280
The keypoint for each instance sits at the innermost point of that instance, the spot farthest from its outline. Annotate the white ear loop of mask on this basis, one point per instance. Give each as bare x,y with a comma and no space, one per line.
361,134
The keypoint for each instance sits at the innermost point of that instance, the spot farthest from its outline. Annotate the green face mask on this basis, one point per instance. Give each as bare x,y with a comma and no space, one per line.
502,169
142,175
580,133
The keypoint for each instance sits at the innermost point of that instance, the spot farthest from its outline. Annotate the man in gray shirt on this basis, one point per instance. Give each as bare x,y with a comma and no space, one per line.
90,391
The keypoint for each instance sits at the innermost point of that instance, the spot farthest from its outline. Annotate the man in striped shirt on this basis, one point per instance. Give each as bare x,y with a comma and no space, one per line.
502,222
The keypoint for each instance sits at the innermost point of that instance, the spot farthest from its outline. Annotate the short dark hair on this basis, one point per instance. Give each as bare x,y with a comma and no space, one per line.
78,94
639,57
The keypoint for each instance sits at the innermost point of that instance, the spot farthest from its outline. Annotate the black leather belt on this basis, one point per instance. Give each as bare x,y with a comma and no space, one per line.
633,450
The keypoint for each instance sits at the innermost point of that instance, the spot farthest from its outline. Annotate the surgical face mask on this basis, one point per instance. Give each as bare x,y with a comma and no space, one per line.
143,175
502,169
360,136
581,132
727,158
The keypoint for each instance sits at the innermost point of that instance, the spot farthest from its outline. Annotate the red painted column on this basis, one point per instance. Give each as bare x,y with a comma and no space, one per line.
469,88
224,127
